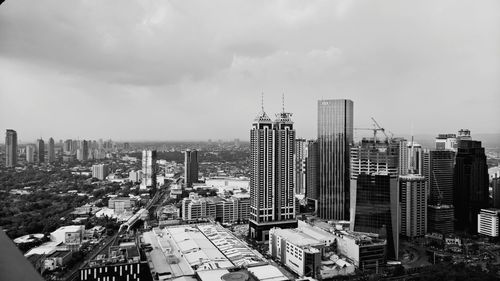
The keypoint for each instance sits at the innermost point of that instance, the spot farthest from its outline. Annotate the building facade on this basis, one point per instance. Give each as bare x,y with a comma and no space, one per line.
440,219
30,153
335,136
10,148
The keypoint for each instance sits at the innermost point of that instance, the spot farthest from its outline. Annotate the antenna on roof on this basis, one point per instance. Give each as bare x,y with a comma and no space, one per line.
283,101
262,100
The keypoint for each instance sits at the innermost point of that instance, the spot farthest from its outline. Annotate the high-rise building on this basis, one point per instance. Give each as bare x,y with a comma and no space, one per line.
84,146
471,183
335,135
440,219
52,152
190,168
403,155
446,142
272,201
488,222
413,202
415,158
438,170
30,153
300,166
41,150
371,156
375,207
149,169
67,148
10,148
312,173
495,186
100,171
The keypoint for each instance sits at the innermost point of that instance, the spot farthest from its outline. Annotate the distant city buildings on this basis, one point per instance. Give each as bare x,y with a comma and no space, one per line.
335,135
30,153
41,151
149,169
272,201
190,168
51,152
10,148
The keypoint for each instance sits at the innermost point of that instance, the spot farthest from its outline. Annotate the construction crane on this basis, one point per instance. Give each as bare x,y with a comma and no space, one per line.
375,129
440,195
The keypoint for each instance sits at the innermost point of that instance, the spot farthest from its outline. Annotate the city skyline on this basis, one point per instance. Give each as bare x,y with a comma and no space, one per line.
401,68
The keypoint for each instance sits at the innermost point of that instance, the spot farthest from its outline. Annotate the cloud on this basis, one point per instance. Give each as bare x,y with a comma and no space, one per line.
206,63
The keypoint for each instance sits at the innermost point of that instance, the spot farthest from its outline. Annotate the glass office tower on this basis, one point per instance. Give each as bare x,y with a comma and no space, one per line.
335,135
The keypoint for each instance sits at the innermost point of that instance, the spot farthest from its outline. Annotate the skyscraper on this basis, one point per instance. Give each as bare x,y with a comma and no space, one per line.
335,135
148,169
312,164
376,208
52,152
30,153
495,185
438,170
190,167
300,166
413,202
10,148
272,202
41,150
471,183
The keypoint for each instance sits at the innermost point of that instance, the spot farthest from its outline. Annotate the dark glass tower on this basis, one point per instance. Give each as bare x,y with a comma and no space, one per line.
41,150
312,163
190,167
471,184
438,170
335,135
377,209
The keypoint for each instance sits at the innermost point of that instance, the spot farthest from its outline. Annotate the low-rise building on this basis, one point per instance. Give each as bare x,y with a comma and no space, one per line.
488,222
226,210
56,259
71,235
121,204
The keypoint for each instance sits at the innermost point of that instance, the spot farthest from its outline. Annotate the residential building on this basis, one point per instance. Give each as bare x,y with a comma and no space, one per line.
488,222
190,168
10,148
413,204
272,201
30,153
100,171
300,166
120,204
471,183
335,135
149,169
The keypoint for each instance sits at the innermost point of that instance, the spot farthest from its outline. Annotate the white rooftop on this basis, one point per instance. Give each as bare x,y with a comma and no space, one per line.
267,273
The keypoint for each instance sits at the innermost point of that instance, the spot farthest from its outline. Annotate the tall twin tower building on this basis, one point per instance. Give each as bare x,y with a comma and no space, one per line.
272,145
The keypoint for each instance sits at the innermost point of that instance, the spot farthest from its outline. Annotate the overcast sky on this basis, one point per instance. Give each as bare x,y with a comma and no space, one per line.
194,70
